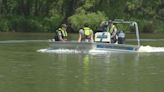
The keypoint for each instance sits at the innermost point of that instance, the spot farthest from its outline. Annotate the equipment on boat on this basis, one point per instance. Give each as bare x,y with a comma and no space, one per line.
102,37
121,37
102,42
131,23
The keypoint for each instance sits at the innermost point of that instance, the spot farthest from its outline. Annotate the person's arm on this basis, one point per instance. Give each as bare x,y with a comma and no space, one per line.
60,36
80,35
65,39
79,39
92,40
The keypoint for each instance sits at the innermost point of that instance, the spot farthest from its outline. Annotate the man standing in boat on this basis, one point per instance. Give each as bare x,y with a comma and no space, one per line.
61,33
85,34
113,31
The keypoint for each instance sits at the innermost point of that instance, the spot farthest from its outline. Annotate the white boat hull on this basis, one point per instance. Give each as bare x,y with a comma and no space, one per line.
89,46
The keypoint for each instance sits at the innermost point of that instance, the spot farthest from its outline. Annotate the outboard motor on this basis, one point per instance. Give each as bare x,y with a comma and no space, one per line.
121,37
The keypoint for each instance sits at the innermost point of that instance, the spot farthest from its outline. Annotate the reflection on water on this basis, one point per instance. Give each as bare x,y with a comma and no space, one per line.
97,73
86,73
115,72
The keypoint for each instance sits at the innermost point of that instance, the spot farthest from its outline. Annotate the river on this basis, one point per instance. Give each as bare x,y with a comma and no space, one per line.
24,69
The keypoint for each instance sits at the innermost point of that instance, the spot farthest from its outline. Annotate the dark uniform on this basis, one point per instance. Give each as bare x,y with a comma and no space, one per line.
61,33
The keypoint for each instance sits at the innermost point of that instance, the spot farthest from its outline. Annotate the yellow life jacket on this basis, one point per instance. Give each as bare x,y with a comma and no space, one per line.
87,31
64,32
111,28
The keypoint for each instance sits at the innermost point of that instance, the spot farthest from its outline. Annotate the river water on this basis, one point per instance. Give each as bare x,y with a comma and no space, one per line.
23,68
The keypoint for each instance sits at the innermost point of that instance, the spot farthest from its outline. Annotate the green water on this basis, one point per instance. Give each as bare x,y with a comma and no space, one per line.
23,69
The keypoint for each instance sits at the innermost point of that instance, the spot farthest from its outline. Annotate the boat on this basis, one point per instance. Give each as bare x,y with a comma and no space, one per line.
86,46
100,43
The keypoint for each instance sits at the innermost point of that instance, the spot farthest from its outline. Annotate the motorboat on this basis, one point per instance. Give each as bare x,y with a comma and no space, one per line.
102,41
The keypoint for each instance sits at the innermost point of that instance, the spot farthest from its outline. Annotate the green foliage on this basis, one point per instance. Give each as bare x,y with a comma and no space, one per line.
23,24
133,5
147,26
30,24
134,9
50,24
160,27
161,12
123,27
93,19
46,15
88,4
4,25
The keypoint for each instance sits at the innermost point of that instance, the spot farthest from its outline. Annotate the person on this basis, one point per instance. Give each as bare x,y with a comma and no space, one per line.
102,27
121,37
61,33
113,31
85,34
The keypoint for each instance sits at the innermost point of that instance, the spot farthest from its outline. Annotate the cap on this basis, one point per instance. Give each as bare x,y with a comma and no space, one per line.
86,25
110,21
64,25
106,23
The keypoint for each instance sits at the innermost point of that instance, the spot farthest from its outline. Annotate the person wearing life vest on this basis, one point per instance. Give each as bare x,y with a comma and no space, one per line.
61,33
85,34
113,31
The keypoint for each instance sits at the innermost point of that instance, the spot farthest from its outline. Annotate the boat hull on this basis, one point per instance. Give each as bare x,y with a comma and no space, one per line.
96,45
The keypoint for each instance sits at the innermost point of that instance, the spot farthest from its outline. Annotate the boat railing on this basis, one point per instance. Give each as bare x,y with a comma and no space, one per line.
133,23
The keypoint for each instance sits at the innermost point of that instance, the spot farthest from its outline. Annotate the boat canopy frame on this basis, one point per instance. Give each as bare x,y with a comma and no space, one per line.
121,21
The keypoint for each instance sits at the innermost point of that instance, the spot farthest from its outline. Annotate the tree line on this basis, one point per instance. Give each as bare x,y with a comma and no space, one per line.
47,15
